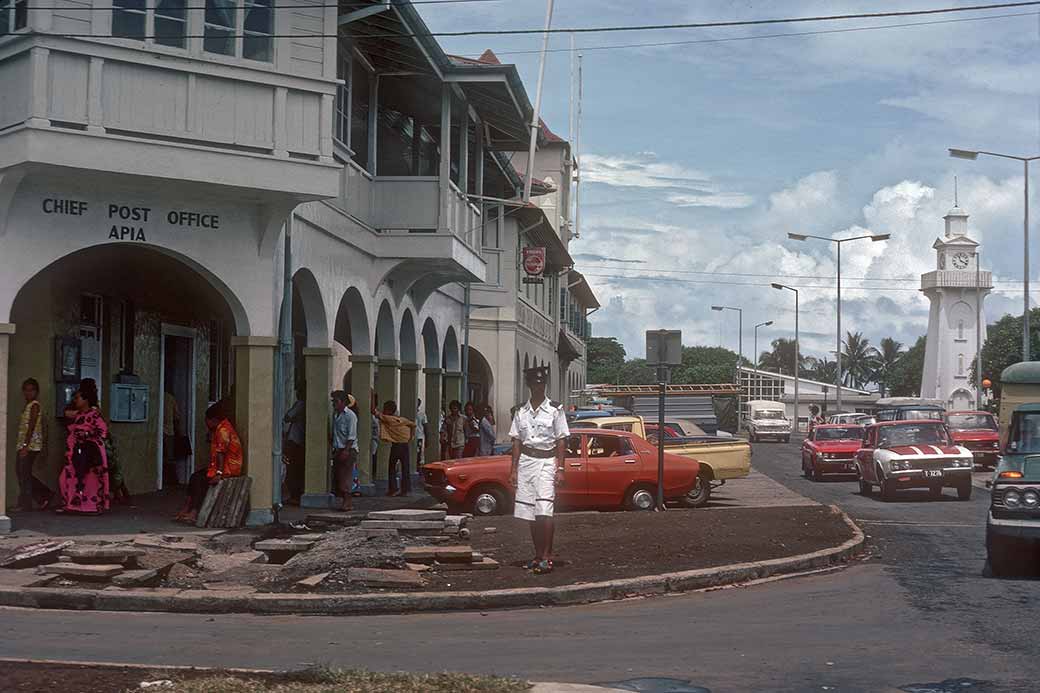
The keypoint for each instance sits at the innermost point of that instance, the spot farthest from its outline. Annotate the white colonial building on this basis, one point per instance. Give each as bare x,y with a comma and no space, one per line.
956,290
154,161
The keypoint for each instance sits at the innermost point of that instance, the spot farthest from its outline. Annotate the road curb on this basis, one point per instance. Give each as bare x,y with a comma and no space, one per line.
215,602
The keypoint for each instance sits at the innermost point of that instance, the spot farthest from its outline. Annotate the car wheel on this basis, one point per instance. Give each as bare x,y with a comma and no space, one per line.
640,498
964,491
865,487
698,496
488,500
814,472
888,491
1001,555
935,492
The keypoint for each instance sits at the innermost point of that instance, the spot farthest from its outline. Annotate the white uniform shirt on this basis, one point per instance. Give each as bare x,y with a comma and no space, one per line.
539,427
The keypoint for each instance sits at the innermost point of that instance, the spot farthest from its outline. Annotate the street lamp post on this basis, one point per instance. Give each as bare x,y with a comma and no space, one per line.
797,351
972,155
767,323
838,241
740,356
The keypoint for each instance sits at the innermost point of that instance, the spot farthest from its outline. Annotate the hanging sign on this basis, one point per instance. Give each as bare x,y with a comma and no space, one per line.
534,264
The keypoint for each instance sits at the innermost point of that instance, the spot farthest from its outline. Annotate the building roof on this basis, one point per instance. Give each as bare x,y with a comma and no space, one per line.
784,376
581,290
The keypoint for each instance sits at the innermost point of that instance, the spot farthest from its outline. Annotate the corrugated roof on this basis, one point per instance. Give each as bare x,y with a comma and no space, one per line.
581,290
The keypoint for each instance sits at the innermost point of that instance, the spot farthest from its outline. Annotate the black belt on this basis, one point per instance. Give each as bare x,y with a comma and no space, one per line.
536,452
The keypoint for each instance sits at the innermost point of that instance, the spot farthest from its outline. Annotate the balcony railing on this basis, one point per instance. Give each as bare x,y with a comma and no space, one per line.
956,279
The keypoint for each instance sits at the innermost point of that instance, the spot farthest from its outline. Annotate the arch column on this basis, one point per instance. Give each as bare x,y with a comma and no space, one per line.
433,412
386,387
317,366
362,371
453,386
254,383
6,331
407,405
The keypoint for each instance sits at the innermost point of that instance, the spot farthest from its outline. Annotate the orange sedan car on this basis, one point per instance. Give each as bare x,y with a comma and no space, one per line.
604,469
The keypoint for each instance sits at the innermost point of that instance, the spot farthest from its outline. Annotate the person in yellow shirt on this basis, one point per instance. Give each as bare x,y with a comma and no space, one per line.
29,445
398,432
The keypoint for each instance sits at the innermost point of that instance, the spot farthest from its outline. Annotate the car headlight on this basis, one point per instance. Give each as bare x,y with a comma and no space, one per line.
1012,499
897,465
1030,499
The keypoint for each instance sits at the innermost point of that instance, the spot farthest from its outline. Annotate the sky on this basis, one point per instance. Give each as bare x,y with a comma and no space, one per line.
699,158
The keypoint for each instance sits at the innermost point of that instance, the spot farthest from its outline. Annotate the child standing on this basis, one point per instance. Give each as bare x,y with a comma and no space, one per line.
29,444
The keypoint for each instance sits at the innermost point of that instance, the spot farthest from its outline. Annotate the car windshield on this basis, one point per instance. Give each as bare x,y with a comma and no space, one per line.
971,422
912,434
921,414
844,433
769,414
1024,434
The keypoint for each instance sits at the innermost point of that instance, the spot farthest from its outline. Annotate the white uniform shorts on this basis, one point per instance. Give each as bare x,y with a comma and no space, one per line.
535,488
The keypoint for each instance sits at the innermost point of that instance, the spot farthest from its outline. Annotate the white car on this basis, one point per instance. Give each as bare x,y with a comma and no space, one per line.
856,418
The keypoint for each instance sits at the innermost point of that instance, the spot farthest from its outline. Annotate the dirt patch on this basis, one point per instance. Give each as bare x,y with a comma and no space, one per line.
46,677
591,547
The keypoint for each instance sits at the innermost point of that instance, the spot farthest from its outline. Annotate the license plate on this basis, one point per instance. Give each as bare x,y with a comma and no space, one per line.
933,472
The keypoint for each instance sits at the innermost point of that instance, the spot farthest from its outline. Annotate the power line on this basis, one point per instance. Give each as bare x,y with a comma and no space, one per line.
657,44
904,278
614,29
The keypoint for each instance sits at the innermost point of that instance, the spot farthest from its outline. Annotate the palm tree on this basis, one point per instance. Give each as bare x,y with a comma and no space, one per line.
823,370
886,356
858,360
780,359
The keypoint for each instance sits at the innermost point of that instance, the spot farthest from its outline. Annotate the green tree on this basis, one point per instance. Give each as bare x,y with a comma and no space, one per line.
781,358
708,365
903,378
823,370
1003,346
636,372
605,356
858,360
886,355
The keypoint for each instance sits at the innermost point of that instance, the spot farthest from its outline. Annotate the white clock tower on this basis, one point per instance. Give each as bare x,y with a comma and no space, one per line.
956,291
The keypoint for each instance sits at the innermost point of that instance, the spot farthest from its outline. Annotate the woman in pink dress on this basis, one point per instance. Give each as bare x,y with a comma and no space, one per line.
83,482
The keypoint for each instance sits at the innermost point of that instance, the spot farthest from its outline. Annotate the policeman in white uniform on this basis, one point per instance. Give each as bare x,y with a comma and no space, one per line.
539,433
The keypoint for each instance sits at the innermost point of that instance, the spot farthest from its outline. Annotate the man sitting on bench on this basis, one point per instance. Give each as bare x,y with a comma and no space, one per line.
225,461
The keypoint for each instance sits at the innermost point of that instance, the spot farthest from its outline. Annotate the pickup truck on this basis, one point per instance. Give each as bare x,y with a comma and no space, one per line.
720,458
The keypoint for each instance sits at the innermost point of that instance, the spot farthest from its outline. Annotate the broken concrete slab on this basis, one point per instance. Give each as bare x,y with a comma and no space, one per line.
420,554
382,576
403,525
102,553
229,587
333,518
454,554
314,536
219,562
82,571
408,515
417,567
154,542
455,520
179,571
155,559
36,554
23,577
279,551
486,564
136,578
313,580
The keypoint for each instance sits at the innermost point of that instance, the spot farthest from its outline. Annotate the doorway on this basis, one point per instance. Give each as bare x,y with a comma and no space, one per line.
176,406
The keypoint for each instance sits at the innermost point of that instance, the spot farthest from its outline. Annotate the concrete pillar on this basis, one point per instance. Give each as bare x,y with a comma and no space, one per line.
453,387
6,331
409,395
434,399
317,365
386,385
254,388
361,372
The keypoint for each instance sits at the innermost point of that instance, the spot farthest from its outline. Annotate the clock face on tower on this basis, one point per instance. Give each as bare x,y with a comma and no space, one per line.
961,260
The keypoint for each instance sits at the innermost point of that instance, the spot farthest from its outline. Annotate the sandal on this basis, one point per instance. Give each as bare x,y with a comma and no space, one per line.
531,564
543,567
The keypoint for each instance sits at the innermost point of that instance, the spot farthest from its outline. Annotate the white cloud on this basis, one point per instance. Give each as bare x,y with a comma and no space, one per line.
813,191
719,200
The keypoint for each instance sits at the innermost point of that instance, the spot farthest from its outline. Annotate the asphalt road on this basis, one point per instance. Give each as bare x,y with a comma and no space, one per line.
918,614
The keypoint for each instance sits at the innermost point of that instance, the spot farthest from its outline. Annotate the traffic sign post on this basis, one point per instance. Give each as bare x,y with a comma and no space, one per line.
663,349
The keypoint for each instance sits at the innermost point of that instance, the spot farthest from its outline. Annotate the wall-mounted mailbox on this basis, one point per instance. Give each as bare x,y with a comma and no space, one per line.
129,403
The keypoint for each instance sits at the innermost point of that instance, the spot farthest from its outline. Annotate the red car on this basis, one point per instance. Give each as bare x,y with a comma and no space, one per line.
977,431
604,469
912,454
831,449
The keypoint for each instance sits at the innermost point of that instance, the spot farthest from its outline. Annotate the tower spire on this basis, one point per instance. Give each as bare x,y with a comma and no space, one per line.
955,202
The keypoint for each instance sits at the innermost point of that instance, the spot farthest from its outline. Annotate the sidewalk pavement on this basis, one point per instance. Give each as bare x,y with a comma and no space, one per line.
152,513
